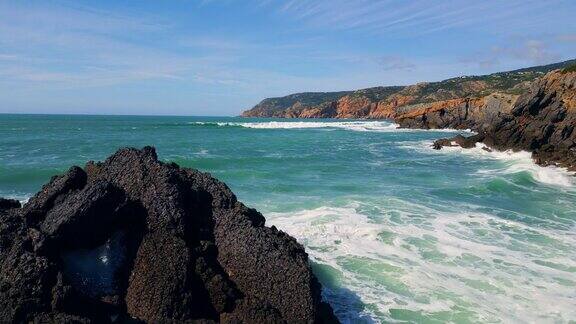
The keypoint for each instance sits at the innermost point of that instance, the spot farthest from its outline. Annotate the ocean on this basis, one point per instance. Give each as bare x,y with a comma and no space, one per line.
396,231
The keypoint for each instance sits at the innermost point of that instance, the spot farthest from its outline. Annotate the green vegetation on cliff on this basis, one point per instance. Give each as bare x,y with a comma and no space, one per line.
571,68
275,107
511,82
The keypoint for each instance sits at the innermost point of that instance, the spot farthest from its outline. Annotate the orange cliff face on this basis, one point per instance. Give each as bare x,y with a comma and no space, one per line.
387,108
460,113
345,107
439,106
563,86
408,102
353,107
398,107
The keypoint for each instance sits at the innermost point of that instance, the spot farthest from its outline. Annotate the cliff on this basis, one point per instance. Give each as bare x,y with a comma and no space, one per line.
461,113
541,121
133,239
397,101
531,109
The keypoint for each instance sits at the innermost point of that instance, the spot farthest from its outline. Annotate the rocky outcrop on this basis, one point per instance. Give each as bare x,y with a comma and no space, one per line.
135,239
541,121
459,140
462,113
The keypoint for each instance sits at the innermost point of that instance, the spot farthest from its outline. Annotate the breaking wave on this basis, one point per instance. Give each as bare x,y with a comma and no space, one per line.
513,162
360,126
451,267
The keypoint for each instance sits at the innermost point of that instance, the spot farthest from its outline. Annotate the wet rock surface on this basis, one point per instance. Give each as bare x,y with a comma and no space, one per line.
458,140
132,239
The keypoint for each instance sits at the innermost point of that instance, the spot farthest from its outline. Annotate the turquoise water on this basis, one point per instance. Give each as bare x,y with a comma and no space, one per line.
397,232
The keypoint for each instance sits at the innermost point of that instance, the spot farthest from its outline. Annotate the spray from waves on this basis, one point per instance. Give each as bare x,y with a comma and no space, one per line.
359,126
211,124
352,125
446,267
514,162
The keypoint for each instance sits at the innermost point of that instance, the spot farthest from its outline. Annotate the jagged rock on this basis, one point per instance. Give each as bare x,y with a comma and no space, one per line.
135,239
458,140
541,121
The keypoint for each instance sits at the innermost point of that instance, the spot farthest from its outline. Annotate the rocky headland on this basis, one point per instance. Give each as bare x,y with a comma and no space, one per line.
532,109
398,102
540,121
133,239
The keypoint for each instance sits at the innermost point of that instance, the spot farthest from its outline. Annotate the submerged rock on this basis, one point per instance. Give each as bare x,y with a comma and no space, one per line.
458,140
135,239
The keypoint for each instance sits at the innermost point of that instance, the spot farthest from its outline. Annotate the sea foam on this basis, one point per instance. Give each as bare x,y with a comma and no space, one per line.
512,162
359,126
469,265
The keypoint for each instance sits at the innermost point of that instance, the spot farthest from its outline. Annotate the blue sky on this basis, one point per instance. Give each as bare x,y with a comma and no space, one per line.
219,57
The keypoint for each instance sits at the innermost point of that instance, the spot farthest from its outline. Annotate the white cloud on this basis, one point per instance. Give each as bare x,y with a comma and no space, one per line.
420,17
69,47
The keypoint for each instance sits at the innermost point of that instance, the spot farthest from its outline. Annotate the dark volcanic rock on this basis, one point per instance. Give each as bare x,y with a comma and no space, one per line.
9,203
459,140
134,239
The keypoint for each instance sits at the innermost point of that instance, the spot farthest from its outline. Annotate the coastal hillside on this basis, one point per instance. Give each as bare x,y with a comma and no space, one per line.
497,91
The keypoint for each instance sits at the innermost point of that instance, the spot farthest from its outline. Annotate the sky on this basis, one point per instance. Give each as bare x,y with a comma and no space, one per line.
220,57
